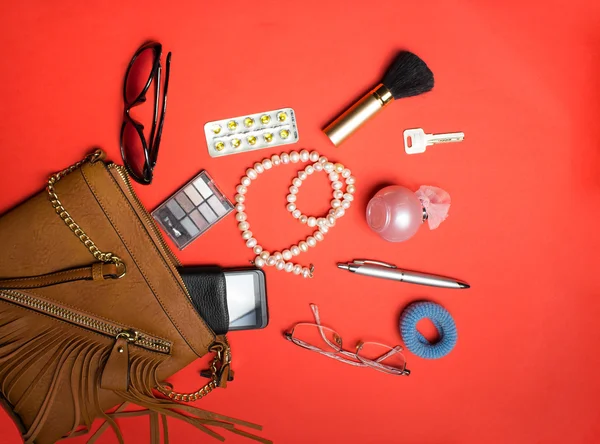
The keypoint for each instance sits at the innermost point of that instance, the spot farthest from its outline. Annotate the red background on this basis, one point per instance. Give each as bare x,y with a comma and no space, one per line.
521,79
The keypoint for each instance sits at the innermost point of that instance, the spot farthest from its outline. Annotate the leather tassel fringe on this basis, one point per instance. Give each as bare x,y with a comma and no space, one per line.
143,379
43,359
47,358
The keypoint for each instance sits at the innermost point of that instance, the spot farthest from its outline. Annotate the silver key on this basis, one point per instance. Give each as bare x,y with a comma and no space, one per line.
416,141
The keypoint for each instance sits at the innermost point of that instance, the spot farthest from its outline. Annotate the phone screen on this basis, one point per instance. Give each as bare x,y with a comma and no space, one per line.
246,301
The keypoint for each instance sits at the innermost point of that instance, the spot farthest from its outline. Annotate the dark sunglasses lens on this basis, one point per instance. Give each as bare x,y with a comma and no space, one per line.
139,75
133,151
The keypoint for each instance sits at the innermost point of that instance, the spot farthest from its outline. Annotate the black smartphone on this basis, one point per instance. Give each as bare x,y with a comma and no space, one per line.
246,298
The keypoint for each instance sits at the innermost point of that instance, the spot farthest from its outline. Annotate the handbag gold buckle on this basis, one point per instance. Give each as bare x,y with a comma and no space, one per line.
121,268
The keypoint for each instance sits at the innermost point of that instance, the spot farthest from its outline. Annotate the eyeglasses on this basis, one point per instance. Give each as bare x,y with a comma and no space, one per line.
138,151
328,342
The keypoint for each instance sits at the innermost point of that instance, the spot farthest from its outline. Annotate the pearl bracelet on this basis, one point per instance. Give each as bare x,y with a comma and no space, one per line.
342,200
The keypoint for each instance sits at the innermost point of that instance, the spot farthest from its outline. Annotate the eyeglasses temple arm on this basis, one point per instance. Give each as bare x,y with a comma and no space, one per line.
315,311
156,141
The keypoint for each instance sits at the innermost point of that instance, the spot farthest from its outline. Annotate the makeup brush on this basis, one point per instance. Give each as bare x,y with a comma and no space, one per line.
408,76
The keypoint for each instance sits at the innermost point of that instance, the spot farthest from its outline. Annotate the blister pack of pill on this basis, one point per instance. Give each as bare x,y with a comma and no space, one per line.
251,132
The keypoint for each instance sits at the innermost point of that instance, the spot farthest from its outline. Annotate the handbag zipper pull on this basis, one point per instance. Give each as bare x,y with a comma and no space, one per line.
115,375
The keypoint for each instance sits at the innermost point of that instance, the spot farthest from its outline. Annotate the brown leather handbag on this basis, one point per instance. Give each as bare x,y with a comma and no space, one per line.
93,312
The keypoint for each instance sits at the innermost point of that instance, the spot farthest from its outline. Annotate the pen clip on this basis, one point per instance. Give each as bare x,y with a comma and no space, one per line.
370,262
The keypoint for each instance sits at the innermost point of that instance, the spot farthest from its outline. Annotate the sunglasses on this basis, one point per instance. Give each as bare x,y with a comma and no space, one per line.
140,151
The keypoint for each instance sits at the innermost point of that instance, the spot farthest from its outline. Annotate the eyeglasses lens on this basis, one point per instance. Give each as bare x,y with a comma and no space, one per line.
322,338
373,352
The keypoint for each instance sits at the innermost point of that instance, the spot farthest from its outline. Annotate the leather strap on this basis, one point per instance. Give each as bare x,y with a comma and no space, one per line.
154,428
197,422
154,424
165,429
115,375
96,272
105,425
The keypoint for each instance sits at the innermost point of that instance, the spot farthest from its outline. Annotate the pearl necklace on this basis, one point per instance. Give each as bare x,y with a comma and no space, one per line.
340,203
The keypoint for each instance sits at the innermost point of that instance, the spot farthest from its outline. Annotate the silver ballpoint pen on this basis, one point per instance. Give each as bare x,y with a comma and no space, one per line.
384,270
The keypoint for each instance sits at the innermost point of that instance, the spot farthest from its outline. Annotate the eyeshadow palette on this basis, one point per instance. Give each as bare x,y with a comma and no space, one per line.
192,210
251,132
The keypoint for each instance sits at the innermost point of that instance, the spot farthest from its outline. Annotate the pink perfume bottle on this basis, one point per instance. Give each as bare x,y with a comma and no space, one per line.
396,213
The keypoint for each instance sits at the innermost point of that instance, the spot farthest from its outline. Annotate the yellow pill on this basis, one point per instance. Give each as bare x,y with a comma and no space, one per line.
216,129
268,137
219,146
248,122
236,143
282,117
232,125
265,119
251,140
284,134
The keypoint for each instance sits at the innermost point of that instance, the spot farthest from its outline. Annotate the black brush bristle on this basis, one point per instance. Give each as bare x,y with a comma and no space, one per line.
408,76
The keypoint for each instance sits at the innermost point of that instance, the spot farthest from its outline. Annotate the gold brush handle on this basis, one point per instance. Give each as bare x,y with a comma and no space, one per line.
357,114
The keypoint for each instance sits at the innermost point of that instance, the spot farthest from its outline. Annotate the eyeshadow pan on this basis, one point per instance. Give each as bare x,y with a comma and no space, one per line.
185,202
200,184
199,220
193,194
216,205
170,224
208,214
175,209
192,210
190,227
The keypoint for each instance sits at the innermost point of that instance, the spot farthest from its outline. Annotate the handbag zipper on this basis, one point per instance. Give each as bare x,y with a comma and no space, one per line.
148,218
149,222
90,323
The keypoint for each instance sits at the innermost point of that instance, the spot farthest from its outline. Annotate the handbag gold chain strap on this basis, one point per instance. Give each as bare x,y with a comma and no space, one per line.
222,354
68,220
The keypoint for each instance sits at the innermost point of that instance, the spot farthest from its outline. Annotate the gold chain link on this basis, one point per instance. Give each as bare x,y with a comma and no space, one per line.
68,220
198,394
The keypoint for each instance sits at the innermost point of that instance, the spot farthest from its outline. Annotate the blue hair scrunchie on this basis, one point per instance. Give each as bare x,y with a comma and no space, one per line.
416,342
